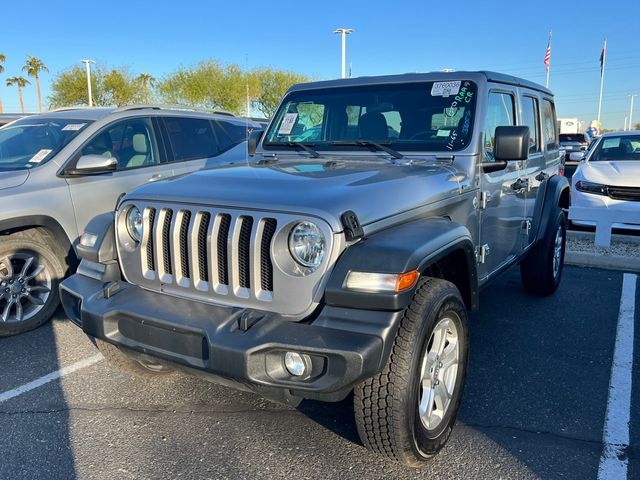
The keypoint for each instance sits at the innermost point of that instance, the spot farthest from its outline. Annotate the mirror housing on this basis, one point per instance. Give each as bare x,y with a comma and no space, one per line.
94,165
511,143
252,142
576,156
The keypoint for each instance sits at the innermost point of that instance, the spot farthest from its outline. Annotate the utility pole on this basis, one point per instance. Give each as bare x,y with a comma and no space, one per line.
603,61
344,32
87,64
631,111
625,123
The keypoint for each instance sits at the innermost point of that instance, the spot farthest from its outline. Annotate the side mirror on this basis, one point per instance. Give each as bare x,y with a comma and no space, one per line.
510,144
252,142
94,165
576,156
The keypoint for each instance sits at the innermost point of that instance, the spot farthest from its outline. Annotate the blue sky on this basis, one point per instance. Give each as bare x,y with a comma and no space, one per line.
390,37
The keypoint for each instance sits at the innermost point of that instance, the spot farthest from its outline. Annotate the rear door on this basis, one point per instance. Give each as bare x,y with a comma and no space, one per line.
133,142
502,199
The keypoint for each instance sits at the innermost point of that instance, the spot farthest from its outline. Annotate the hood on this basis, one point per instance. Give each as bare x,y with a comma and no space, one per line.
615,172
13,178
372,189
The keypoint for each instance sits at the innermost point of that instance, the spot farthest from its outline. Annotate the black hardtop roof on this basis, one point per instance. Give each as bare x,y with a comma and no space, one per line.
476,76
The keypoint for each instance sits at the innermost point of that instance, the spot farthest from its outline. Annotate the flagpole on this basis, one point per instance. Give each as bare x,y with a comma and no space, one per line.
549,67
604,59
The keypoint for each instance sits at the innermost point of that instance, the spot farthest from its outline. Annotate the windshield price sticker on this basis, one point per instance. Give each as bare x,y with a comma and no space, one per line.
73,127
445,89
41,155
287,124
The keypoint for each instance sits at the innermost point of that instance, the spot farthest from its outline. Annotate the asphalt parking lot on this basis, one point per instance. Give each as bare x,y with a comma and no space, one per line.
534,405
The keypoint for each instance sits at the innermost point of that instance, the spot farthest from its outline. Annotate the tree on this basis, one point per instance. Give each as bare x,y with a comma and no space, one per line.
33,66
273,85
20,82
635,127
146,81
115,87
3,59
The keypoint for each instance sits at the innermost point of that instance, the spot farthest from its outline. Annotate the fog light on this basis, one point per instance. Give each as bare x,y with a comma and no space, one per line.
296,363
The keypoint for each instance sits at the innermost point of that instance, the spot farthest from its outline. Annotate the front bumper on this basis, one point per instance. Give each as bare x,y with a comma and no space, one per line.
345,346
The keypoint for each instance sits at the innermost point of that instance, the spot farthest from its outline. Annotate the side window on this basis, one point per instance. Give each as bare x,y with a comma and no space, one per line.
500,112
549,125
131,142
530,118
229,134
191,138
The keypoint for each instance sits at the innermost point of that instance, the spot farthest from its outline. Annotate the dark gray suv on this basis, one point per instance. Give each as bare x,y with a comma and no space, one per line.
60,169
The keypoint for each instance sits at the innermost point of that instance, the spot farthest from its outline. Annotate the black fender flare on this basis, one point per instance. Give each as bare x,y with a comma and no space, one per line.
415,245
553,192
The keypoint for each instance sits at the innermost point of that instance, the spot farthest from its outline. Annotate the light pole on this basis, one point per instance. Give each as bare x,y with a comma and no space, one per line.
87,64
631,111
344,32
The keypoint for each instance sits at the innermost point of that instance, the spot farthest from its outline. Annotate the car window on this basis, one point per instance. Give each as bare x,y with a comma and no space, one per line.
500,112
229,133
549,125
620,148
191,138
131,142
530,118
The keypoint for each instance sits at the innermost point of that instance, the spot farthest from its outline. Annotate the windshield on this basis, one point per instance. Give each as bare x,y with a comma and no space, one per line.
420,116
625,147
30,142
572,137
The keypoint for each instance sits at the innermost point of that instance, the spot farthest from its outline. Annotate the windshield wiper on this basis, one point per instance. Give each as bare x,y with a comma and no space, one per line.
368,143
304,146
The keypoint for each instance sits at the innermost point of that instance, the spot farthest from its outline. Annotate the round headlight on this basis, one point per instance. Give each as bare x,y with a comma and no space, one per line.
134,223
307,244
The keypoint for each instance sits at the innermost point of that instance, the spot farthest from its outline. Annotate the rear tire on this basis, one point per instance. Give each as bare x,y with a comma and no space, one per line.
541,270
37,270
392,408
123,362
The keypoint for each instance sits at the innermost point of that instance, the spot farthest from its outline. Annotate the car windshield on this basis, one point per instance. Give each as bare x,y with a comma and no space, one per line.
30,142
572,137
624,147
419,116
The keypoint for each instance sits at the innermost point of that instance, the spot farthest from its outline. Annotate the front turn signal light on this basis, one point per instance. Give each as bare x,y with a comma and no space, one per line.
381,282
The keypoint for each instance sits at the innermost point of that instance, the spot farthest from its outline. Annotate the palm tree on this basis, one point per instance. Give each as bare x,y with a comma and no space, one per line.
33,66
147,80
20,82
3,59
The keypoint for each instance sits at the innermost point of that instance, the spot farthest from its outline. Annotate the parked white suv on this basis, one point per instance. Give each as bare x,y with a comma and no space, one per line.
60,169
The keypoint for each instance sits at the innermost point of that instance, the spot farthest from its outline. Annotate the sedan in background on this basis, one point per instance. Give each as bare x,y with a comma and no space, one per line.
574,142
609,177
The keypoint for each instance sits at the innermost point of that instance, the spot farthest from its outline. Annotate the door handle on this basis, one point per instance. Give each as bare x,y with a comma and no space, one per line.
542,176
520,184
157,176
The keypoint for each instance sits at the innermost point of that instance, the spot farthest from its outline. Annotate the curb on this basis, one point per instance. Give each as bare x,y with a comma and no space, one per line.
594,260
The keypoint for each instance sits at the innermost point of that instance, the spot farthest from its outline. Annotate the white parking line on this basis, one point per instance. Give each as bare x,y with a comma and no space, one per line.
38,382
614,462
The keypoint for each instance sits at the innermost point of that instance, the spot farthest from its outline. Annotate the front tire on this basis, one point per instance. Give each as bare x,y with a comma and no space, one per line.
30,272
408,410
541,270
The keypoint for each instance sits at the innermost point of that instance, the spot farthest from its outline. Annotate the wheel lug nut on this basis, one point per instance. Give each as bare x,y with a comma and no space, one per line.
440,365
7,290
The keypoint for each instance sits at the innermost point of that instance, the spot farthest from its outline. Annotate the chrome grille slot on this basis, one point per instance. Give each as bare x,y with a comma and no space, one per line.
223,241
203,257
244,251
166,244
151,215
630,194
184,253
266,264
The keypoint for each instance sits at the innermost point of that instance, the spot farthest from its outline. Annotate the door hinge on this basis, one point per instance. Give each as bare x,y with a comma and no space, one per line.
484,199
482,253
526,226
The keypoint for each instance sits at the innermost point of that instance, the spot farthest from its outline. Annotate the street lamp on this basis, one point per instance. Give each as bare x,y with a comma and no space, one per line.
631,111
344,32
87,64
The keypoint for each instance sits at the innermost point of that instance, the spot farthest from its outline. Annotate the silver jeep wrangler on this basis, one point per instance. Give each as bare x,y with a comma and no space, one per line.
344,256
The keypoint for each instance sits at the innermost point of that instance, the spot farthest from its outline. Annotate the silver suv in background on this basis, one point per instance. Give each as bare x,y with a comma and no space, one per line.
60,169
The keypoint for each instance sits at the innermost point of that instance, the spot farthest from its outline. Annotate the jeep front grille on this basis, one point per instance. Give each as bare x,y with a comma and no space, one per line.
182,243
223,255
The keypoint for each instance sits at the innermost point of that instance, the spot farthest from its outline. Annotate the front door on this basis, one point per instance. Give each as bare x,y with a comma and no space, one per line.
133,143
502,193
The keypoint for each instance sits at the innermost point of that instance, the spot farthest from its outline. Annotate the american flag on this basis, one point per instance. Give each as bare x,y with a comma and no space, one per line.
547,55
603,56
